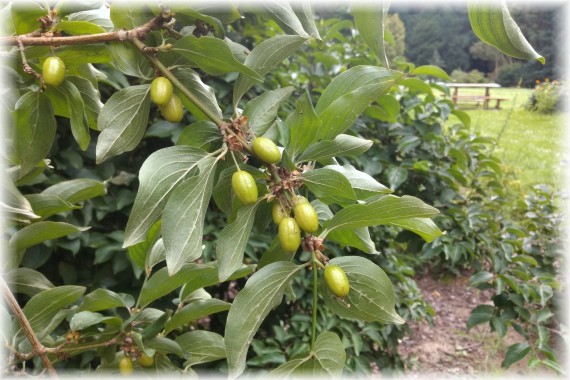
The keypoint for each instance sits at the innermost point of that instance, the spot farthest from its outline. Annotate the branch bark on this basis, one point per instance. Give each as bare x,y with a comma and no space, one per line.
37,346
140,32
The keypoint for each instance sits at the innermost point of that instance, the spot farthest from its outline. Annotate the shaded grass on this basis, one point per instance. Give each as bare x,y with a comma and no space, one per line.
531,144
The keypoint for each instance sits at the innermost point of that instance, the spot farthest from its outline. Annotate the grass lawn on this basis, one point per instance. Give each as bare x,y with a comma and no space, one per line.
529,143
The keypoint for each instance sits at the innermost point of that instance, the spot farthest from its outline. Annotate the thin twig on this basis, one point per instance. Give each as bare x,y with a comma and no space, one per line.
37,346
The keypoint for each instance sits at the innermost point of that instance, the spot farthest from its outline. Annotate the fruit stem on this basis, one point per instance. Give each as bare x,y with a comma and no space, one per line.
164,70
315,279
235,161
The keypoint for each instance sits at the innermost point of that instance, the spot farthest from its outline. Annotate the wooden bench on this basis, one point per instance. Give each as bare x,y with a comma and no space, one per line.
478,99
482,98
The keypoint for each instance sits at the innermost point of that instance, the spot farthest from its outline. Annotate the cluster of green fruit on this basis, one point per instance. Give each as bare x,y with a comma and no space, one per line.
162,94
289,228
126,367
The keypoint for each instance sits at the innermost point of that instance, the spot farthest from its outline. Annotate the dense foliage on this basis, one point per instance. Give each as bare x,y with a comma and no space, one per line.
132,247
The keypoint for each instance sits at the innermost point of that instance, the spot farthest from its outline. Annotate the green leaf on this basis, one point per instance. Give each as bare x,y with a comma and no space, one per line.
191,80
463,117
382,210
188,16
274,254
494,25
42,308
282,13
199,135
424,227
203,346
126,14
129,60
157,254
27,281
84,319
262,292
305,15
78,27
499,326
342,145
46,205
192,276
329,186
370,20
303,126
371,295
515,352
139,253
262,110
195,310
348,95
66,7
42,231
329,352
75,111
213,56
363,184
95,16
164,346
14,203
34,131
387,110
91,99
233,239
329,359
431,70
183,216
480,278
103,299
77,190
416,85
122,121
76,55
263,58
24,15
161,172
480,314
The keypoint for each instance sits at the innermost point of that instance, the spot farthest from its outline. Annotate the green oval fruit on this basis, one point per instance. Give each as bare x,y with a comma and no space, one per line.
172,111
126,366
266,150
289,234
306,217
299,199
244,187
160,91
53,71
336,280
145,360
278,213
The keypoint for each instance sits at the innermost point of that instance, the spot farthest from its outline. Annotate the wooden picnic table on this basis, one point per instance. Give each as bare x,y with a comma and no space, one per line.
484,98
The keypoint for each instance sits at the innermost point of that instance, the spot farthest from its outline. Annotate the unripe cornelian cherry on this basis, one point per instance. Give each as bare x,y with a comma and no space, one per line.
160,91
145,360
299,199
266,150
172,111
244,187
278,213
126,366
289,235
306,217
53,71
336,280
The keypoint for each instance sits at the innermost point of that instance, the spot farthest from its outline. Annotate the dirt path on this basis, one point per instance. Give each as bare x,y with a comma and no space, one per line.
447,348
